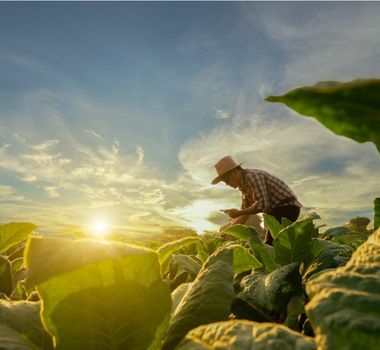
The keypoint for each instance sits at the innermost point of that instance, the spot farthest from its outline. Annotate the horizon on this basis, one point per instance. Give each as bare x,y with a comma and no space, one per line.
114,114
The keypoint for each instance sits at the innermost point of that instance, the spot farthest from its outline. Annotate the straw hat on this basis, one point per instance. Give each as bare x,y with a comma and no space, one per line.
224,165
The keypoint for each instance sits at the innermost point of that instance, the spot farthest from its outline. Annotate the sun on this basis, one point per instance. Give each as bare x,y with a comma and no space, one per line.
100,228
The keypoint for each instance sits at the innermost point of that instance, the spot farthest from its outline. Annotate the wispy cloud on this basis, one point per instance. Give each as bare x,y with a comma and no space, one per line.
221,114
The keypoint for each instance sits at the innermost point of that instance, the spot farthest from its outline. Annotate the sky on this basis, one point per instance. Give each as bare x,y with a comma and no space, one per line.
117,112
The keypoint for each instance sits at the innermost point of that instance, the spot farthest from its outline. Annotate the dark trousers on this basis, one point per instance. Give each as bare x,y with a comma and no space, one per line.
290,212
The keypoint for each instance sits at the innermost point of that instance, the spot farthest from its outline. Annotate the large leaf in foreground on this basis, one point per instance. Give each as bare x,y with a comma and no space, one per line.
245,335
376,219
6,278
12,340
99,295
350,109
345,303
23,317
14,233
208,299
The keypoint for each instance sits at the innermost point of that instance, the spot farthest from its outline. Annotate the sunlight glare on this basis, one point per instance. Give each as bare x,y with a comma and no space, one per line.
100,228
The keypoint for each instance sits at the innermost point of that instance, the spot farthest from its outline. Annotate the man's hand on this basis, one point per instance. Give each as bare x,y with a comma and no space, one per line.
232,213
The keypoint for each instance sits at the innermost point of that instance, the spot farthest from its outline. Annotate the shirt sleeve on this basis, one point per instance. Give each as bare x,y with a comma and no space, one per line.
259,189
244,201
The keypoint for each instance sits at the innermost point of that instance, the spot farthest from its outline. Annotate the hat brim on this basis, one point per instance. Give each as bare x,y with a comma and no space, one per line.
220,177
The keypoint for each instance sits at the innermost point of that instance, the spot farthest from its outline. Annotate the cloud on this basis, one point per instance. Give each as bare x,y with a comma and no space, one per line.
8,193
329,41
221,114
52,191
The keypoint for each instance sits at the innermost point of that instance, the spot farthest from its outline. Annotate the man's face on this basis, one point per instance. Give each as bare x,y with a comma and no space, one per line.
232,179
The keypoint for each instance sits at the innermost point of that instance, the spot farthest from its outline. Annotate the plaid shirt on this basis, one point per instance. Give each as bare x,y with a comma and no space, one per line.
265,190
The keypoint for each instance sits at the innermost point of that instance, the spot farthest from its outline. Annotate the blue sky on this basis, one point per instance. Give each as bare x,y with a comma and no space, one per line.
118,111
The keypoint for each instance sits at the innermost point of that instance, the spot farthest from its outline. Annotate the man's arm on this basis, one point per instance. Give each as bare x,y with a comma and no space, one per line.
237,213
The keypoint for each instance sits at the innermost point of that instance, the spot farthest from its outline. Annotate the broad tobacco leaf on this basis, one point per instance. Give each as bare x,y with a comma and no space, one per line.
350,109
14,233
263,252
166,250
12,340
243,260
344,309
324,254
272,224
263,288
292,243
21,324
353,240
99,295
207,300
186,263
376,219
6,278
245,335
335,231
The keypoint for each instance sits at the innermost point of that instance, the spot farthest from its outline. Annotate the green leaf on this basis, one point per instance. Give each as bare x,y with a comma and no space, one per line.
208,300
263,252
263,288
178,294
186,263
245,335
12,340
324,255
335,231
292,244
243,260
272,224
6,278
350,109
166,250
344,309
14,233
376,219
23,317
294,309
99,295
319,246
353,240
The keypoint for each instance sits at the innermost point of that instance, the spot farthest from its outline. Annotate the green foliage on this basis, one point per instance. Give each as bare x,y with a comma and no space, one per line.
243,260
353,240
263,288
208,299
12,340
324,254
345,304
350,109
263,252
295,308
14,233
186,263
376,219
335,231
23,318
245,335
272,224
293,243
99,295
166,250
6,278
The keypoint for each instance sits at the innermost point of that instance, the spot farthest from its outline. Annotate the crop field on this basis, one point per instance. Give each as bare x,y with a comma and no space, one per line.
310,290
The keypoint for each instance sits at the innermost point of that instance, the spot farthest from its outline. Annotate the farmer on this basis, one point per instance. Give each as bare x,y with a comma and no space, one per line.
261,193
